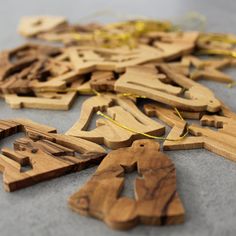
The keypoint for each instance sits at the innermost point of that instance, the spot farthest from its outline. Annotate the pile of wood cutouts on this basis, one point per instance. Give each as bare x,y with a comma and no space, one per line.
131,71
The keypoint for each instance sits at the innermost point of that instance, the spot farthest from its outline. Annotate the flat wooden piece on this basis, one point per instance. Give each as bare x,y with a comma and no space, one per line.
221,142
194,96
208,69
44,100
42,154
89,59
32,25
103,81
122,110
156,199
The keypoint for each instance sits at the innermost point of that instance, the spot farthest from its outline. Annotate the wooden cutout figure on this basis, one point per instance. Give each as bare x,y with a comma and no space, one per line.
44,100
123,111
173,44
44,64
103,81
189,95
156,199
14,60
89,59
208,69
221,142
30,26
217,44
42,154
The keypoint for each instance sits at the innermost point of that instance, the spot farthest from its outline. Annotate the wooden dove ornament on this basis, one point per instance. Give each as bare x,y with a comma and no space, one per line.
156,199
124,112
42,154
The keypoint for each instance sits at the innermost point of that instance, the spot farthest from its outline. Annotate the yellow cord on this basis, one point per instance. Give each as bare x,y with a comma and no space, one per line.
144,134
218,52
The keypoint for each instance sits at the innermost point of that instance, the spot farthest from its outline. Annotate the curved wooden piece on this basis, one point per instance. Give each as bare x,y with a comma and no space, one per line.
195,98
45,153
123,111
156,199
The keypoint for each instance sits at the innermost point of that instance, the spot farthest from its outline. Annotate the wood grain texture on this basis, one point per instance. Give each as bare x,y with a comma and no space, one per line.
45,100
103,81
222,142
124,111
42,154
188,95
156,199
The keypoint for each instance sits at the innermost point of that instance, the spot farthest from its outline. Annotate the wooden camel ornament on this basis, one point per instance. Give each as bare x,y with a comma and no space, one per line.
123,111
42,154
189,96
156,199
221,142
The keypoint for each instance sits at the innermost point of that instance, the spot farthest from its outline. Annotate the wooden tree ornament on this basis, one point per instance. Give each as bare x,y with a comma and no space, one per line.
189,95
156,199
124,112
221,142
46,154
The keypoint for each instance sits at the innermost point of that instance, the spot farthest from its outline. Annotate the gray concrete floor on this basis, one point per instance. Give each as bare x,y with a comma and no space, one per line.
206,182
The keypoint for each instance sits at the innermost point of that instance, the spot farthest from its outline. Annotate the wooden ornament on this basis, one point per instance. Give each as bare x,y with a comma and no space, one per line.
221,142
20,66
103,81
89,59
42,155
30,26
208,69
123,111
174,44
156,199
189,96
61,100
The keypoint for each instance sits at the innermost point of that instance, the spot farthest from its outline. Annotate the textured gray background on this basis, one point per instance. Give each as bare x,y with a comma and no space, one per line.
206,182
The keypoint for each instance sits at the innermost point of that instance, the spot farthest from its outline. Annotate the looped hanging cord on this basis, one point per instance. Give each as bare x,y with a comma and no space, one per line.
144,134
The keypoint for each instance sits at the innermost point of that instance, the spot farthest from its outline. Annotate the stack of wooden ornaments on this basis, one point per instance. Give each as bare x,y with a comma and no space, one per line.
117,65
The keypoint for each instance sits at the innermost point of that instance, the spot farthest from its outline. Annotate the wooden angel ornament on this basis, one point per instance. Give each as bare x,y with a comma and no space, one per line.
156,198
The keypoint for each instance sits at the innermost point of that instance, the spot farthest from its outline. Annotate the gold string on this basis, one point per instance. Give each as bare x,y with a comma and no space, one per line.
66,90
144,134
231,85
218,52
131,95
